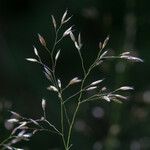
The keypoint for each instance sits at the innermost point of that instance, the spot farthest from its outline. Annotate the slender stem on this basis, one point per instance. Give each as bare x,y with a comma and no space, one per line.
56,41
78,105
62,120
62,117
65,87
71,125
44,113
77,108
88,99
91,99
82,63
62,124
3,142
66,114
53,126
59,40
72,96
43,129
111,57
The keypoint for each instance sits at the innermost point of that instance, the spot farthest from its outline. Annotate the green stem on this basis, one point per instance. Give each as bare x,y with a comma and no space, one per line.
82,63
72,96
51,125
71,126
5,141
76,110
62,118
62,125
66,114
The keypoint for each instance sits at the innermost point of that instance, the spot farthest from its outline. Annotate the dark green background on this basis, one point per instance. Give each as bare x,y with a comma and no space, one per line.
22,84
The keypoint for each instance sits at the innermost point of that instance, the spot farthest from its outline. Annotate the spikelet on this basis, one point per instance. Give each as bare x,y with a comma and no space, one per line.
54,21
52,88
131,58
32,59
35,51
43,104
67,32
91,88
105,42
13,120
59,83
72,37
74,80
96,82
125,88
42,40
106,98
57,55
64,17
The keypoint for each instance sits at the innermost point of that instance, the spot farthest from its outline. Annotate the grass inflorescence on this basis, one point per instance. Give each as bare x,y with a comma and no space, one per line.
25,128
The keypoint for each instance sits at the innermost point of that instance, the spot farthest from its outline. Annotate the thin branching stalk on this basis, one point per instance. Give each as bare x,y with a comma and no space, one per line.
77,108
23,129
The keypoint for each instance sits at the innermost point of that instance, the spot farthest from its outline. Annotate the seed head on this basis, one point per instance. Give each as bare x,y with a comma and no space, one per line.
72,37
64,16
91,88
120,96
79,40
74,80
96,82
125,88
42,40
43,104
54,21
35,51
59,83
125,53
52,88
106,98
105,42
31,59
67,32
13,120
103,54
134,59
77,46
15,114
57,55
28,135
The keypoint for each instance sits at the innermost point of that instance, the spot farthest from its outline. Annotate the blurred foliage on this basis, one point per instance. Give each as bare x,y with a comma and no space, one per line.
22,85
